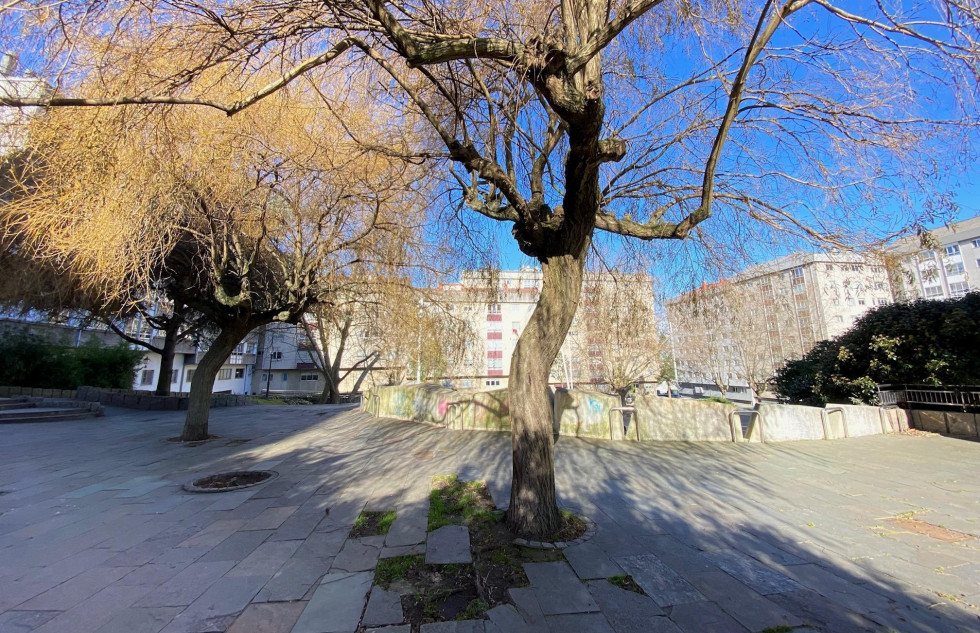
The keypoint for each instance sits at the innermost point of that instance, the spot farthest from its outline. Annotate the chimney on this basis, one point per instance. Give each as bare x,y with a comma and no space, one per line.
8,64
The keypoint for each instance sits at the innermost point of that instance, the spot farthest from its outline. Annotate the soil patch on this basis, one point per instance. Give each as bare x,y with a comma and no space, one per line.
193,443
225,482
372,523
625,581
928,529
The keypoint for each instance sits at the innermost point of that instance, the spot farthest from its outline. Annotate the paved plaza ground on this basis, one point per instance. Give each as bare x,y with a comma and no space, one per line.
869,534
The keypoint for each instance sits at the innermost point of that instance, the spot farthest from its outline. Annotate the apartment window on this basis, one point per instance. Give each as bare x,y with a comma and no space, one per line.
494,345
976,243
240,372
881,301
495,363
309,377
265,377
959,288
953,250
934,291
285,377
493,308
515,327
174,376
275,355
861,301
493,383
955,268
190,375
147,377
224,374
467,383
797,273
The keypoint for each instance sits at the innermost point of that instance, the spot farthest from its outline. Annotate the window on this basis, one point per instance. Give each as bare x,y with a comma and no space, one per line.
861,301
494,344
174,376
515,327
147,377
953,250
934,291
493,383
881,301
309,377
285,377
955,268
265,377
467,383
797,273
224,374
495,363
493,308
275,355
976,243
190,375
240,372
959,288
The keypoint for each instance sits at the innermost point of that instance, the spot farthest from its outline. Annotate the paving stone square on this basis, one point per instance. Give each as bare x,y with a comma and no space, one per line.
96,535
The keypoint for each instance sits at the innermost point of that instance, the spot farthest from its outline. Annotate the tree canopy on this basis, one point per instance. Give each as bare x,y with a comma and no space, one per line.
926,342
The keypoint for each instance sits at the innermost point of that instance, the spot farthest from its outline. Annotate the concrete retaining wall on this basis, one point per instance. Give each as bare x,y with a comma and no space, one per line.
588,414
678,419
149,402
949,422
6,392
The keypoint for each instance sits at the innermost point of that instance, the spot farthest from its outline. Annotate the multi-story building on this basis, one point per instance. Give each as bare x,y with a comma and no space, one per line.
732,336
945,265
235,375
14,121
486,313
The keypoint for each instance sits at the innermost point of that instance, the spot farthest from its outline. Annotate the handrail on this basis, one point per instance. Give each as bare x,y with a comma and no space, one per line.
731,423
621,411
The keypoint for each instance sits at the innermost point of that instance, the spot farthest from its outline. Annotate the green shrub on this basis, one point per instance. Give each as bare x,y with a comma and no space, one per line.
31,361
922,342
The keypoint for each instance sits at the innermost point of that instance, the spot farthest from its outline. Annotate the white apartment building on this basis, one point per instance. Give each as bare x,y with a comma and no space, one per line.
742,330
948,267
14,121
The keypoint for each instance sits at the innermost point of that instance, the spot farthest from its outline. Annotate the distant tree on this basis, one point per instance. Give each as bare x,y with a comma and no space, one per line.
618,336
924,342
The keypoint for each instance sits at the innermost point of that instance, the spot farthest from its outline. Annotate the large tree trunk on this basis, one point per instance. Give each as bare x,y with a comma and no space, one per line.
199,404
533,507
167,361
330,393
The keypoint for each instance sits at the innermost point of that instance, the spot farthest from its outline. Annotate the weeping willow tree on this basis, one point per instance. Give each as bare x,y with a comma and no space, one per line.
247,220
725,121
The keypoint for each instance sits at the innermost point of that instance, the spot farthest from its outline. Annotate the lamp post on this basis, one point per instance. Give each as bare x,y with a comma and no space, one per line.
268,376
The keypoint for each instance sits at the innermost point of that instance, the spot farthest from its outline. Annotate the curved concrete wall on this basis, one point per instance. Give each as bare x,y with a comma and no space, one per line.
588,414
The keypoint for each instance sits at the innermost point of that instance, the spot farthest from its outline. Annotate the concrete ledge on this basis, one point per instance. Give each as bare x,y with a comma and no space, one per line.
146,401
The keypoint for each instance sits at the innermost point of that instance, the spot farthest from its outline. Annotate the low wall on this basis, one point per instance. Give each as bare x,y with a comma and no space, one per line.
679,419
147,401
948,422
591,414
6,392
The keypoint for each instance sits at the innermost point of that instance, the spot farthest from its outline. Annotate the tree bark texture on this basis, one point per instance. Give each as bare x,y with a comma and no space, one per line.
533,506
199,403
167,354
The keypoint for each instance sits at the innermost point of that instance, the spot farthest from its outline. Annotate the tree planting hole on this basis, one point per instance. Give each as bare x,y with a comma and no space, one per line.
226,482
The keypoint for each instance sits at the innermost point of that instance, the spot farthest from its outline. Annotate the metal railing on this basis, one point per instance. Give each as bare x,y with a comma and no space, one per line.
961,397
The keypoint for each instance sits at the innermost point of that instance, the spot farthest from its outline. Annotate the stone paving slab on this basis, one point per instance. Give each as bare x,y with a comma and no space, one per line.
579,622
279,617
448,544
358,554
659,581
590,562
629,612
700,617
558,590
750,609
384,607
336,604
751,572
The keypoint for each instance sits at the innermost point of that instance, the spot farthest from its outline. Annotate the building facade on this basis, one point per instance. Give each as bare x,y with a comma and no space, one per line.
946,266
18,85
729,338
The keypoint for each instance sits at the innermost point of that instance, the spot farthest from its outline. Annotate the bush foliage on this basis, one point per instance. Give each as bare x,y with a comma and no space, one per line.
31,361
923,342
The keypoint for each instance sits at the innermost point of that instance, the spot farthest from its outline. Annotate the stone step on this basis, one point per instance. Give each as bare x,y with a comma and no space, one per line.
38,414
14,403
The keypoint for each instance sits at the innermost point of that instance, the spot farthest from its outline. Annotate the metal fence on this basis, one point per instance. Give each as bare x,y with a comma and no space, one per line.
960,397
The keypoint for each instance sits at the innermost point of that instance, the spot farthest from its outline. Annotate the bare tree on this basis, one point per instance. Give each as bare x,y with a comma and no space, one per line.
619,336
641,118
